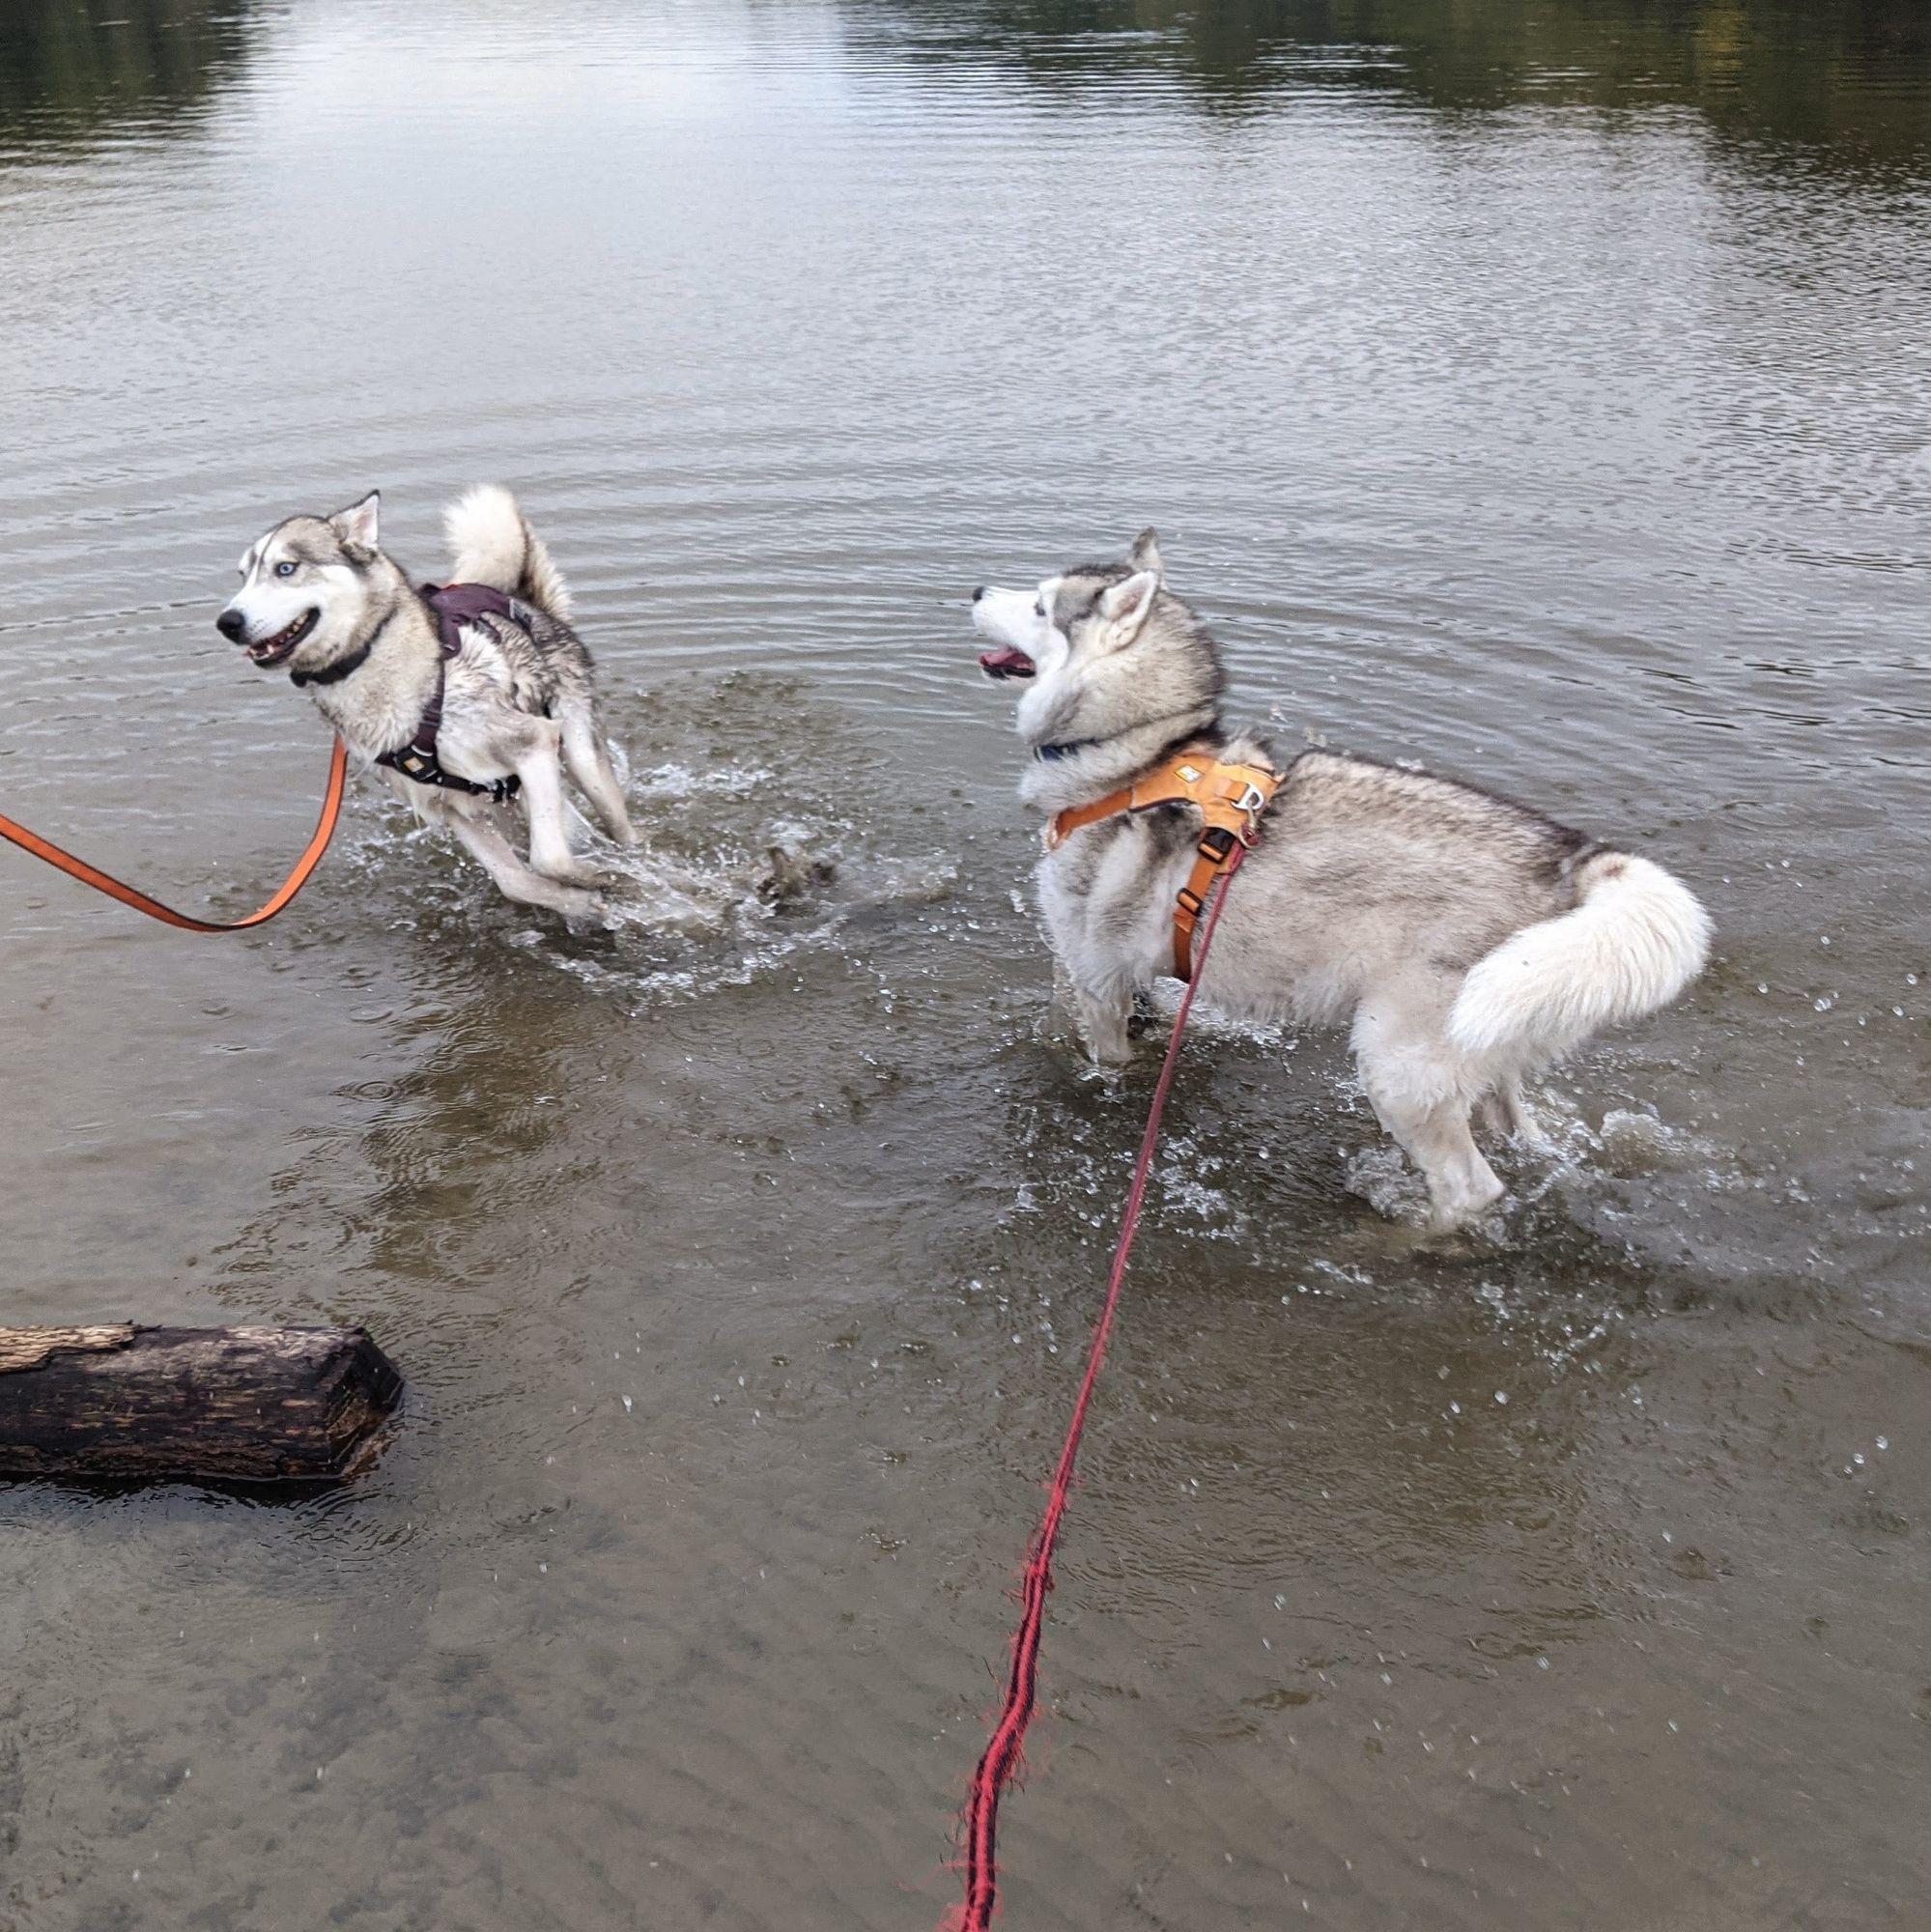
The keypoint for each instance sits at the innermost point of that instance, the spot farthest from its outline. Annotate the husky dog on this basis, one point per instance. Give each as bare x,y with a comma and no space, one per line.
1466,940
465,704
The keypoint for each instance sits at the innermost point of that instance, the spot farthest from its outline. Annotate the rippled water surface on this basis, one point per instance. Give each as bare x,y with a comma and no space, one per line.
1540,391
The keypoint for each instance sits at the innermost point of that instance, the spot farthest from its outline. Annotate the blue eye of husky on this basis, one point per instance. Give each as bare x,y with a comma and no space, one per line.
284,570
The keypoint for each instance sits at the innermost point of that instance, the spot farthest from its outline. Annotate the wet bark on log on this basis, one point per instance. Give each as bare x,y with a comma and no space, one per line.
230,1404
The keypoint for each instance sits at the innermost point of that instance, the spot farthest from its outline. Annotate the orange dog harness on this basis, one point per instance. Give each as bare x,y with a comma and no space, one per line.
1230,799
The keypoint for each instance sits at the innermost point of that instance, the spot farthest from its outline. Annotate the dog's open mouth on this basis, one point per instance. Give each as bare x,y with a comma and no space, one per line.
273,650
1006,663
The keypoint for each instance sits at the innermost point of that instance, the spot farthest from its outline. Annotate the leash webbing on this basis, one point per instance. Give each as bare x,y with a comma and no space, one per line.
997,1767
105,882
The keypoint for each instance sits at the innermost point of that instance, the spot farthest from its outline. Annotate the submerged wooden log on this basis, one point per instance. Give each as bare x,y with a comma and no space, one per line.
232,1405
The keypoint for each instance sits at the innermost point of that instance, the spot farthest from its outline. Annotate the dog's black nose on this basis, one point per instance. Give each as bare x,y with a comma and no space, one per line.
979,593
232,624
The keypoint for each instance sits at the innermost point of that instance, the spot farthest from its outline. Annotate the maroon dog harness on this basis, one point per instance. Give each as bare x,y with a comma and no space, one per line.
454,605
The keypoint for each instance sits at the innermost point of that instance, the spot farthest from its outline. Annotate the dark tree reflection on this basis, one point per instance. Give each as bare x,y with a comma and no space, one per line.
1848,79
72,69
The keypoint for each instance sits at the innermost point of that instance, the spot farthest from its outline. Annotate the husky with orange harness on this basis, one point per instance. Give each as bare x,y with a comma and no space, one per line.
1465,941
470,694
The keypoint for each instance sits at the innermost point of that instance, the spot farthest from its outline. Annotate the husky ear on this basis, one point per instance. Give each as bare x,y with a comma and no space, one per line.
1124,607
358,524
1146,554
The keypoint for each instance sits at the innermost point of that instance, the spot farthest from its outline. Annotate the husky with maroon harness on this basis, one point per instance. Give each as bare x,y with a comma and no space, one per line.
474,696
1464,940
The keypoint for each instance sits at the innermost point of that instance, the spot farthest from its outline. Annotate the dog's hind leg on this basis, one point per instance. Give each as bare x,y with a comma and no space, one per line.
588,758
1460,1183
514,880
539,768
1415,1082
1504,1111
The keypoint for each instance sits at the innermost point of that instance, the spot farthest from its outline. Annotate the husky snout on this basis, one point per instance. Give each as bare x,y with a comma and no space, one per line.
232,624
1010,620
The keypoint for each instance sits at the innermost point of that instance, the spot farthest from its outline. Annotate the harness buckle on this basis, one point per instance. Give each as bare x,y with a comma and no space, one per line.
1215,843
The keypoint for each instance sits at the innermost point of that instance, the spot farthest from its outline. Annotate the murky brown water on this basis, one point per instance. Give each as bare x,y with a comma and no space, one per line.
1543,391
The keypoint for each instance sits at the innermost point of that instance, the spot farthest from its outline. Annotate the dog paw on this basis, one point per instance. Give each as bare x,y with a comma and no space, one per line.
588,912
792,867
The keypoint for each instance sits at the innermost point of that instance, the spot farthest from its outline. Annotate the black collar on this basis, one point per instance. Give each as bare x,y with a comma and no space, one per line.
1209,733
342,666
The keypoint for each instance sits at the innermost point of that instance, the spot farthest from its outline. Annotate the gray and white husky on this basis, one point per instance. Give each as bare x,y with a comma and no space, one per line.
511,711
1465,941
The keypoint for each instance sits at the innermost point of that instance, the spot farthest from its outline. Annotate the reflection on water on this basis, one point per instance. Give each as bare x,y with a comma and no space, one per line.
72,69
1846,78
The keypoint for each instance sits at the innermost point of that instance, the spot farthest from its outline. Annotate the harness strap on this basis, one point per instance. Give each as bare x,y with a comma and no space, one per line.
1229,798
453,605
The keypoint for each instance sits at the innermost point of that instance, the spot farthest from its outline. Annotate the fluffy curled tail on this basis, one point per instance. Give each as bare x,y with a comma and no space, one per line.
490,542
1635,940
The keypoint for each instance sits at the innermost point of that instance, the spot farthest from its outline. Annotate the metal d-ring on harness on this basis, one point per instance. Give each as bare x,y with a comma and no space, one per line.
454,605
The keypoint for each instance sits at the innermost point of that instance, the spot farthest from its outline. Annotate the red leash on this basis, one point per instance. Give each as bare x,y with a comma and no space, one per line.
1000,1761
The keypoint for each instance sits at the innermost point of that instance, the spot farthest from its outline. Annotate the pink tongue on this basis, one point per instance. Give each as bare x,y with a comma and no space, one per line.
1007,664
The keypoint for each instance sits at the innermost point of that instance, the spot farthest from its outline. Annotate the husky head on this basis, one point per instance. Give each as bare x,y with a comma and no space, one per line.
1110,657
311,589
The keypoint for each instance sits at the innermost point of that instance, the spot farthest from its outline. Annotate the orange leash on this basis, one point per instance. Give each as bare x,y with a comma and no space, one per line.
103,881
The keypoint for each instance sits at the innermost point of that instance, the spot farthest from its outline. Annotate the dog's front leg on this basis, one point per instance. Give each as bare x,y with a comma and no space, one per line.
514,880
1063,1014
1103,1019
